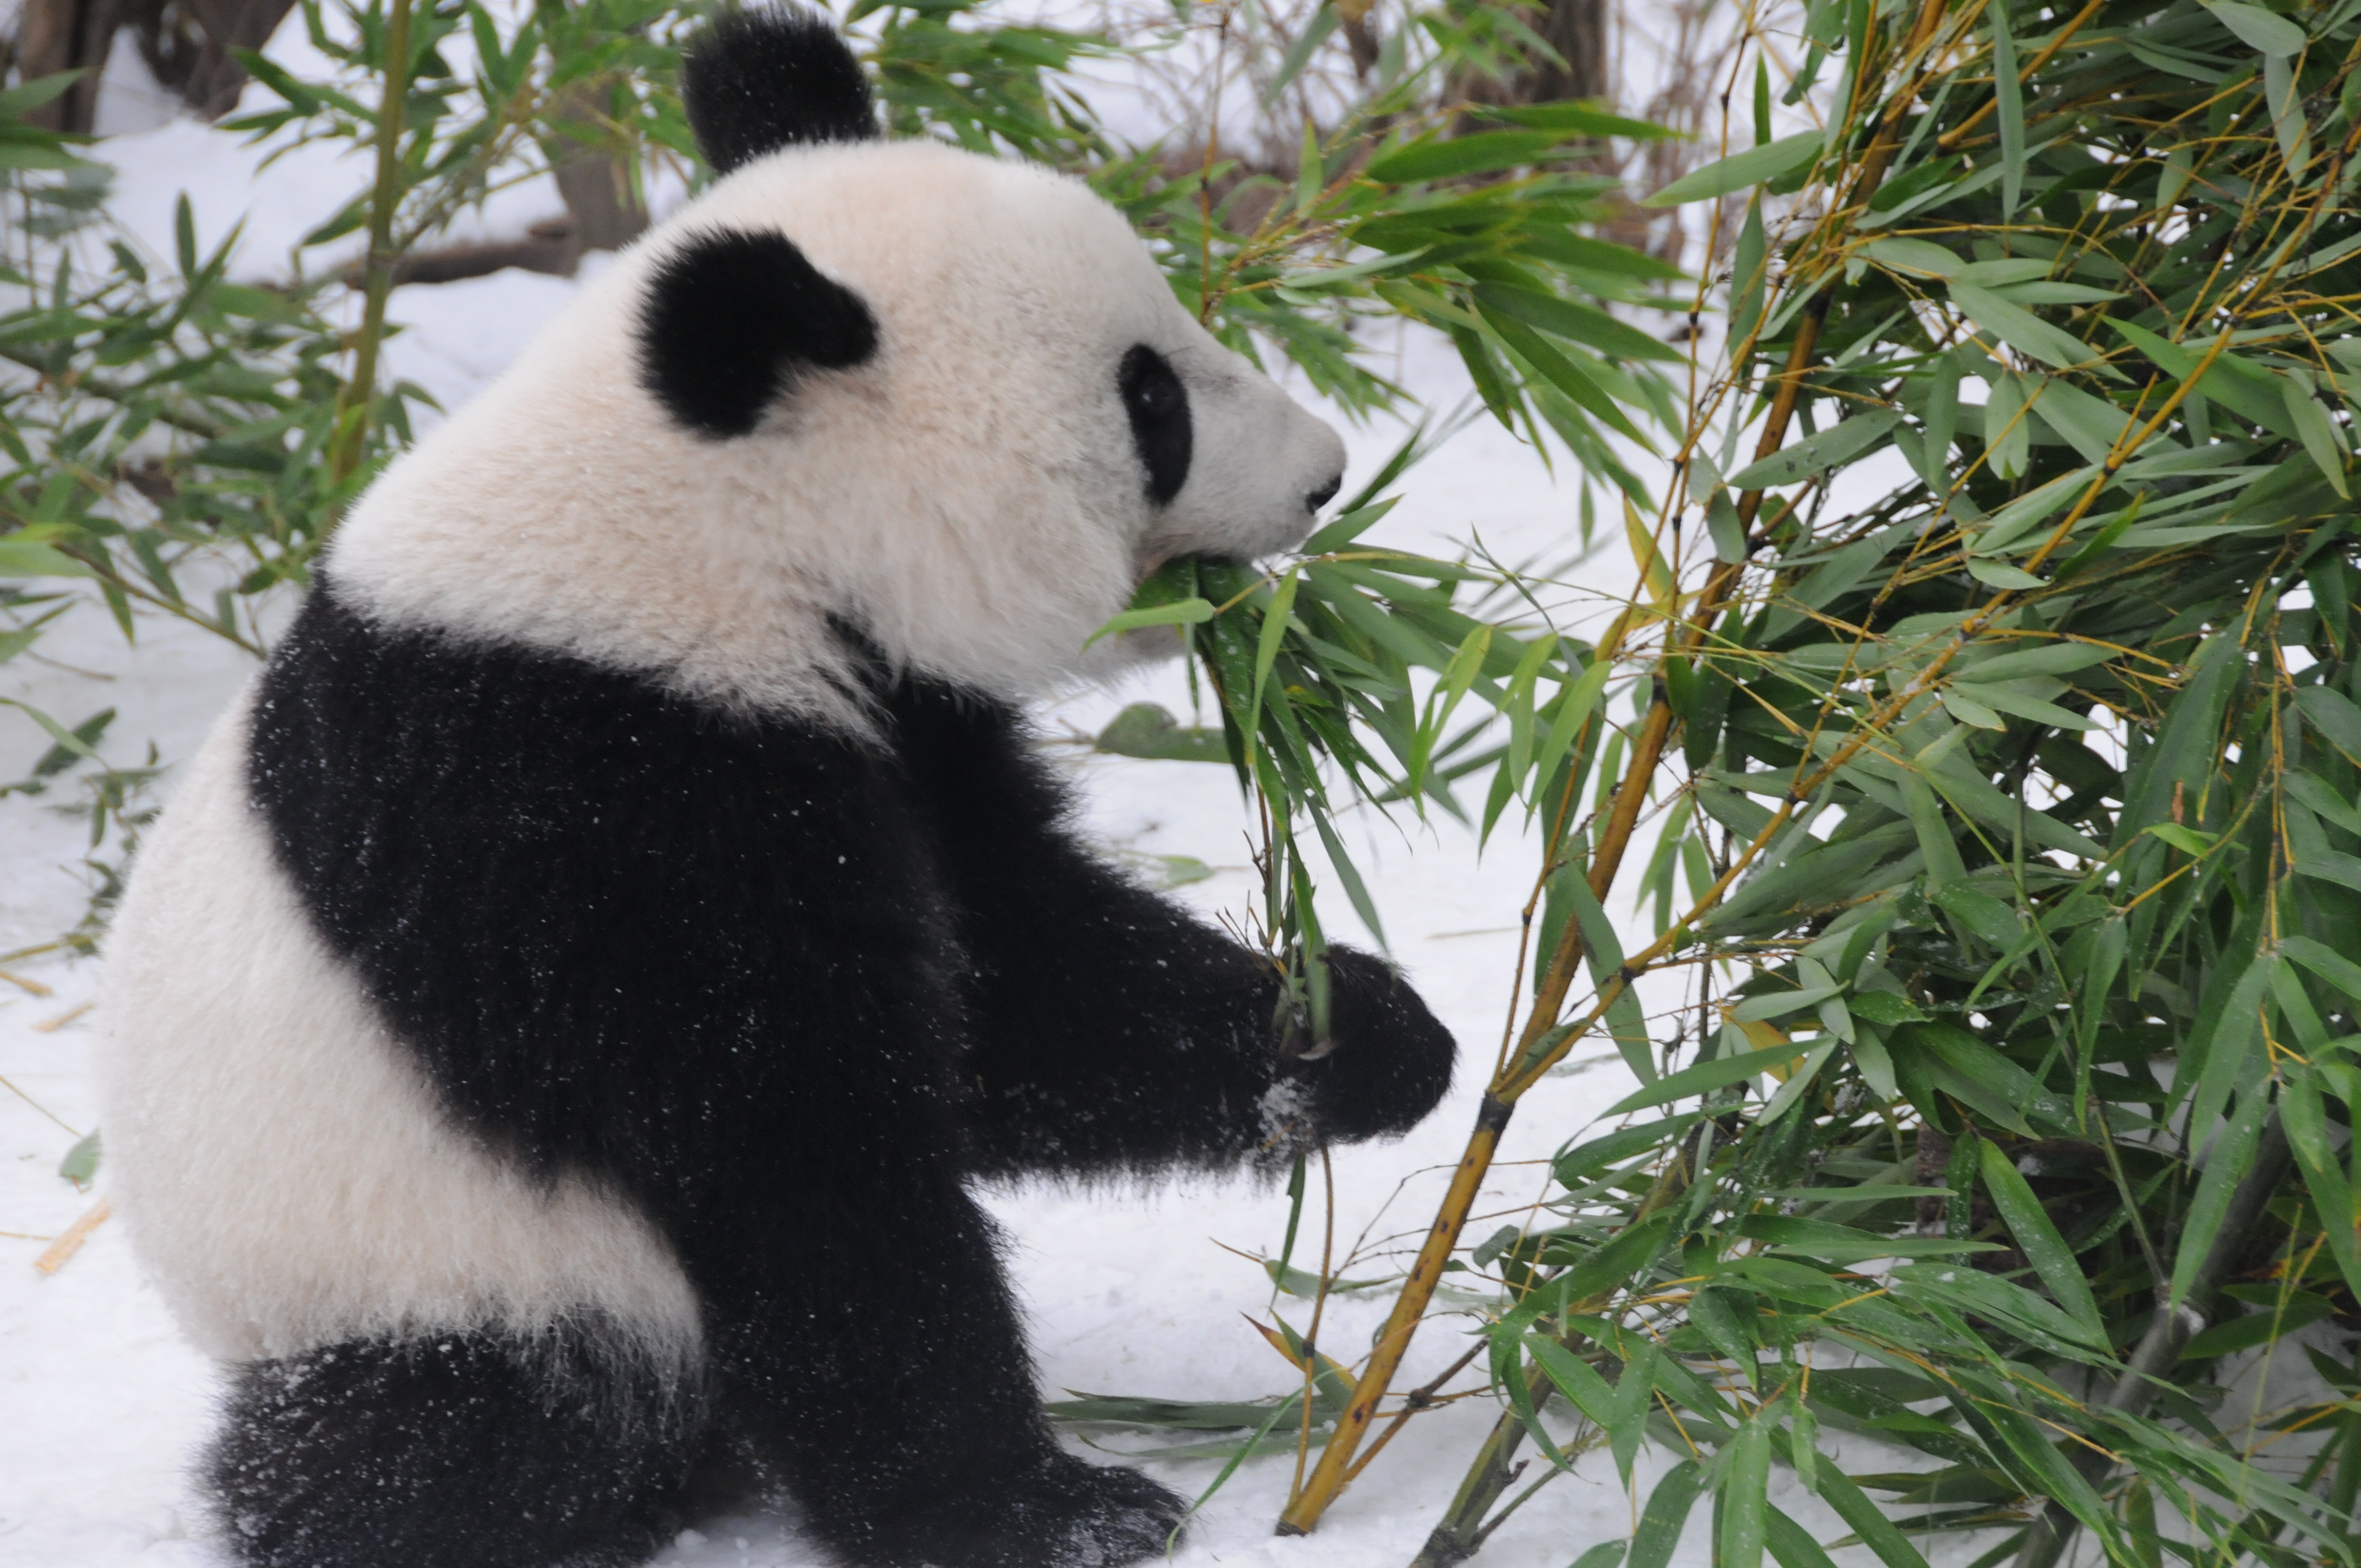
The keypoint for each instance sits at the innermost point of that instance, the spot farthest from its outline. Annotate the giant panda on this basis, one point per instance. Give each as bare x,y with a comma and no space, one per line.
556,1029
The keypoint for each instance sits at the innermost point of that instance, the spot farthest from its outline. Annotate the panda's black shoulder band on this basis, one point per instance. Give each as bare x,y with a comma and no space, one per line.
733,318
770,77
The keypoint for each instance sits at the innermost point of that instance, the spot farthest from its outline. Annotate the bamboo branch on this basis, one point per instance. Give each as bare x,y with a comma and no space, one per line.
1520,1070
2158,1352
353,400
1463,1524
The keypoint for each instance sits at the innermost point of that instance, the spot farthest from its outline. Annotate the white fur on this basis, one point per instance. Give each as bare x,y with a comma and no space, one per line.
287,1179
972,493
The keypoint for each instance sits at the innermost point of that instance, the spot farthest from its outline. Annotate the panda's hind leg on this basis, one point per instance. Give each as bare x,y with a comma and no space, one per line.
454,1451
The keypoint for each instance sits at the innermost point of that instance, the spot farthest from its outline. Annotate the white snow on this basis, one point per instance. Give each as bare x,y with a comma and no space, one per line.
102,1404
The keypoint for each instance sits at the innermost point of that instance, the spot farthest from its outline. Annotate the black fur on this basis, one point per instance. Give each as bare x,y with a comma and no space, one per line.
1160,429
731,321
772,77
789,993
463,1448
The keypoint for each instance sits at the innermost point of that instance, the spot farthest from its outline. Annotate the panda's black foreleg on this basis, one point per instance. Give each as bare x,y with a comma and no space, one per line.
872,1352
460,1450
1112,1030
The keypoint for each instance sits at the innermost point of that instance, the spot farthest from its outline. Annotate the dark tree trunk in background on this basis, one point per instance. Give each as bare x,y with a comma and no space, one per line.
186,44
599,197
1578,30
67,35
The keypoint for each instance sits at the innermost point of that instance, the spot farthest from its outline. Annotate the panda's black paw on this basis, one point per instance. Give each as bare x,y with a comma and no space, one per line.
1387,1061
1063,1513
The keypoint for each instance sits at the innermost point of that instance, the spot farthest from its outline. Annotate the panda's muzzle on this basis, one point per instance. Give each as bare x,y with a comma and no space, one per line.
1325,494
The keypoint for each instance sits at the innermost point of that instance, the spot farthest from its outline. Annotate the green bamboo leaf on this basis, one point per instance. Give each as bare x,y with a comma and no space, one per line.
2022,330
1852,1505
2014,697
1565,374
1923,257
1348,527
2188,840
2266,32
2323,1173
2234,1334
1577,1164
1843,1245
1291,64
1995,574
1779,1003
1575,1378
1356,890
1445,157
1626,1022
1740,169
1186,612
34,154
1583,119
2322,960
1577,701
1745,1496
1799,1082
2321,441
81,1164
1790,1544
2180,756
1268,640
2317,795
2026,660
2010,96
2245,391
2091,425
1706,1077
2029,511
2334,715
28,96
1748,274
1580,322
1840,443
1667,1511
2004,1302
24,558
2032,1446
2054,1262
1611,1265
1307,1286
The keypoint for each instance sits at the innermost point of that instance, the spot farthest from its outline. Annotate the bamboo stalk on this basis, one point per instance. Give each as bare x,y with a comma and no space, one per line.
2151,1363
1518,1073
1332,1473
1463,1529
70,1240
359,392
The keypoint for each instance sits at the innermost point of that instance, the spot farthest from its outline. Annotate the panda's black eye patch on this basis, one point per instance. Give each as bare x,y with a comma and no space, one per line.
734,318
1158,405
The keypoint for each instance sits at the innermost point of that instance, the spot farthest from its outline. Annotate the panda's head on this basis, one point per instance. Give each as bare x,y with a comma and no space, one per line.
945,398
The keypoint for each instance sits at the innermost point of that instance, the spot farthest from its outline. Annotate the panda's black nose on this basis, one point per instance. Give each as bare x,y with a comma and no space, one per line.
1325,494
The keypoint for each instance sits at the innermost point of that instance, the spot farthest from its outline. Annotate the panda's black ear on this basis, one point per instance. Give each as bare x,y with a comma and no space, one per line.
731,320
772,77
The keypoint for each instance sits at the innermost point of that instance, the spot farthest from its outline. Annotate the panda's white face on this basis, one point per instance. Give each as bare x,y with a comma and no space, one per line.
947,399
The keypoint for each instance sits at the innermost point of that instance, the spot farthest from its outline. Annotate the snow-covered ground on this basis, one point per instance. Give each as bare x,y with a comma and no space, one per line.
102,1404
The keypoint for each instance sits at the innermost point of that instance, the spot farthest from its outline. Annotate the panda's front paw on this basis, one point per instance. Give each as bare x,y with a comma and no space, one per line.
1062,1513
1386,1063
